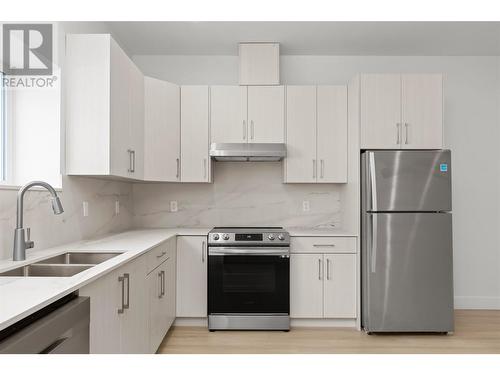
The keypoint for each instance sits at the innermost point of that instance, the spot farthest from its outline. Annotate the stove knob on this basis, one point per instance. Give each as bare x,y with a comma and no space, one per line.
281,237
225,236
271,237
216,237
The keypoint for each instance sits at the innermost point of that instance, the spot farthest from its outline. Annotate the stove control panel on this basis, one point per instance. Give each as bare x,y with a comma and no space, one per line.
243,238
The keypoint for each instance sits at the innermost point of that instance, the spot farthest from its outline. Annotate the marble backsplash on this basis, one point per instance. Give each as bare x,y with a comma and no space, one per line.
243,194
49,230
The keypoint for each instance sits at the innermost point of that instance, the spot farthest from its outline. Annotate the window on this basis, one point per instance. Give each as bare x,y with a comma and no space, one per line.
3,131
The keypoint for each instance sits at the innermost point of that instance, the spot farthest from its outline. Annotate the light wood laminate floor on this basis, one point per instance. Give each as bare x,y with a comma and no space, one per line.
476,331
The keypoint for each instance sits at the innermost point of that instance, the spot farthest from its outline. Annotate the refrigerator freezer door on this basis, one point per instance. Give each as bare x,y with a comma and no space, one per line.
407,272
406,180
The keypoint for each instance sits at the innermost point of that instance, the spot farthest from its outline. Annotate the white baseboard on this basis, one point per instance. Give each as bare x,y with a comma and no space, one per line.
477,303
296,322
191,322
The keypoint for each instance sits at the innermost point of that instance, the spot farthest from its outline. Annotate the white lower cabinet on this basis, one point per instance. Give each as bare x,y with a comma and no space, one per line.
192,276
161,287
323,285
130,311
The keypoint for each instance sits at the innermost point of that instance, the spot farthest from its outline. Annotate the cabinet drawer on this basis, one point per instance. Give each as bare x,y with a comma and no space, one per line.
323,245
160,253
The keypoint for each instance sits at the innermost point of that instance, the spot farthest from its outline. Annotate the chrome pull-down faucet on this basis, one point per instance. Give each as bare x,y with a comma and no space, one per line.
21,241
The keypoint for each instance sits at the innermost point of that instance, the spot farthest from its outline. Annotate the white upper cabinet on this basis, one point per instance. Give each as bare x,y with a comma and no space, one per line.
266,114
301,134
104,112
316,134
422,111
259,63
162,127
332,134
228,114
195,160
380,111
401,111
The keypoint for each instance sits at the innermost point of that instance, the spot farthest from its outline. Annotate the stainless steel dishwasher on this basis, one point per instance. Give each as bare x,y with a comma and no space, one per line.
60,328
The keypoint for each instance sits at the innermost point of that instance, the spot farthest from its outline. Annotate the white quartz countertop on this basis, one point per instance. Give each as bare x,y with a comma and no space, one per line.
318,232
21,296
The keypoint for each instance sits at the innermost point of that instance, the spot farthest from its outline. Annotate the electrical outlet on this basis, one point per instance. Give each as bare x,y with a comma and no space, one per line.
305,206
173,206
117,207
85,206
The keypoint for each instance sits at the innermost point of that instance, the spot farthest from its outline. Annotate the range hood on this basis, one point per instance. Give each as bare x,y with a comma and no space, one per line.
247,151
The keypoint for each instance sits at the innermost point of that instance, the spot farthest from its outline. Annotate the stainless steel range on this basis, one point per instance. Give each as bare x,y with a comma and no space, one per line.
248,278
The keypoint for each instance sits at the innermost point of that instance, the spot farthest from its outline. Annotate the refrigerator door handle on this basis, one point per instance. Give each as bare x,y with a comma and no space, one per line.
373,181
373,242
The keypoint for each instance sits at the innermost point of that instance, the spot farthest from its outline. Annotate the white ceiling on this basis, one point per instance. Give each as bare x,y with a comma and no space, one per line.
312,38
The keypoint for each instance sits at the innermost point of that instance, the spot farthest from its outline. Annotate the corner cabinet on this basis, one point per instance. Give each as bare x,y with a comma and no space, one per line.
104,109
401,111
253,114
162,131
316,134
195,131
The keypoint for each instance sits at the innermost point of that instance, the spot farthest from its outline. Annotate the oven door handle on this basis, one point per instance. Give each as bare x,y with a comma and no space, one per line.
268,251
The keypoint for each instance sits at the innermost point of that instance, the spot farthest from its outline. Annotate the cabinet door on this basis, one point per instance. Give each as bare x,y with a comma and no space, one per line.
332,134
300,162
228,114
105,322
162,127
422,111
134,326
119,148
136,121
192,276
195,162
170,281
266,114
340,286
381,111
306,285
157,319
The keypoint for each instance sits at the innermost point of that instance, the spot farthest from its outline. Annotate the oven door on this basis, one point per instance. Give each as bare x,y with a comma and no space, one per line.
248,280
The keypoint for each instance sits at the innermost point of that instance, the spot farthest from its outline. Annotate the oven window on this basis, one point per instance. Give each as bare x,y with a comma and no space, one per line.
243,284
249,278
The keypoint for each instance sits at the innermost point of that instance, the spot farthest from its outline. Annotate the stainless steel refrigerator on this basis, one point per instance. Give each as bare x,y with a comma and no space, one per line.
406,247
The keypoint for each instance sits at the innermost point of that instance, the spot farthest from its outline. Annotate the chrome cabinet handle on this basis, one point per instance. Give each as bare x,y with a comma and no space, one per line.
252,130
129,161
322,168
163,283
160,285
244,129
178,168
133,161
398,135
121,279
314,168
319,269
327,268
406,133
126,276
203,252
324,245
205,168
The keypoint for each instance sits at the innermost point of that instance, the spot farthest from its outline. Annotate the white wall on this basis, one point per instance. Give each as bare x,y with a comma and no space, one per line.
472,119
47,229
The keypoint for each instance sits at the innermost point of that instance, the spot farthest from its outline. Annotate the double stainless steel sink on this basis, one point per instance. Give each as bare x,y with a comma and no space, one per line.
63,265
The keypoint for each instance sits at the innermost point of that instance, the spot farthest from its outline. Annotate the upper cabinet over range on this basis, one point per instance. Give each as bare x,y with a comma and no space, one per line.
105,109
253,114
401,111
